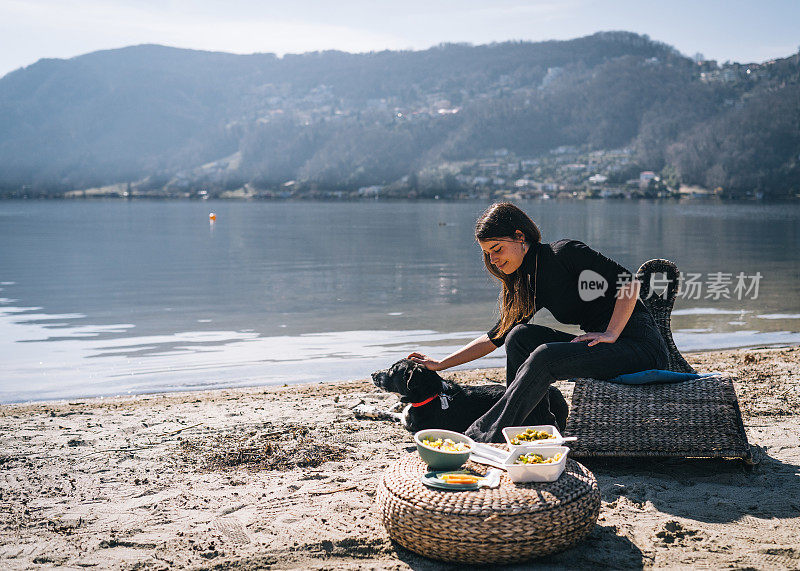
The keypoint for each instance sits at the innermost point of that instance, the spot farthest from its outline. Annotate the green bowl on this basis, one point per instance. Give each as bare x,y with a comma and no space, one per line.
438,459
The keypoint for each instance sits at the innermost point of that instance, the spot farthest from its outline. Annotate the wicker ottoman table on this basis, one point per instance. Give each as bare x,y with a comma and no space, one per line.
514,522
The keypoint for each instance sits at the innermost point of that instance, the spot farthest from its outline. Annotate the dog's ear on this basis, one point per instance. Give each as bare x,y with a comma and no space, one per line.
414,375
422,383
411,369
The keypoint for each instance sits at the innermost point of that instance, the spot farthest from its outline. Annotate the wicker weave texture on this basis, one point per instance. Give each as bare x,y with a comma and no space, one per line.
699,418
512,523
661,305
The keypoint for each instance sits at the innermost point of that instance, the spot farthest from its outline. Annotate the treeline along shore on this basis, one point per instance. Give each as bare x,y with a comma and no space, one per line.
614,114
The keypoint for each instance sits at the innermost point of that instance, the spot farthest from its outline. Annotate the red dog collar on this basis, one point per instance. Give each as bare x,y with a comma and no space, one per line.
426,401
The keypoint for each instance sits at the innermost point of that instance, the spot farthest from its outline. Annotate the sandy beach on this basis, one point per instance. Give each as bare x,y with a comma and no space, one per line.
285,478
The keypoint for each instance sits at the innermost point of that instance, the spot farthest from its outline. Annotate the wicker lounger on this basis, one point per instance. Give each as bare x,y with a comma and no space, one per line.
691,419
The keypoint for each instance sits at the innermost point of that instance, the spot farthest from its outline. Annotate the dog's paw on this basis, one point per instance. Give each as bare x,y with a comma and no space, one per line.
369,412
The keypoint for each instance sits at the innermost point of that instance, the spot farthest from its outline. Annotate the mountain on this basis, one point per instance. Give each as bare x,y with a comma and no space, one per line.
165,118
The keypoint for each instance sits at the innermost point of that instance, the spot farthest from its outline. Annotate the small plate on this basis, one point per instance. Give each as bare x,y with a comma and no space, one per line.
432,480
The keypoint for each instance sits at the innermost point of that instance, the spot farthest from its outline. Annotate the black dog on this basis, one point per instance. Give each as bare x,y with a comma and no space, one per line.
437,403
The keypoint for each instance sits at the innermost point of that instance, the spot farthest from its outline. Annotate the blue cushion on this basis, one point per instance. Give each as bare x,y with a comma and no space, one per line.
653,376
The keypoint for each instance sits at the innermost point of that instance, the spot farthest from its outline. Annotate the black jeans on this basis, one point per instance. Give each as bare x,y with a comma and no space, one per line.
537,356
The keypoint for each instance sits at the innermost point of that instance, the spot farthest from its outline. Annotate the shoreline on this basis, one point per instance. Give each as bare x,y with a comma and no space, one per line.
285,476
475,370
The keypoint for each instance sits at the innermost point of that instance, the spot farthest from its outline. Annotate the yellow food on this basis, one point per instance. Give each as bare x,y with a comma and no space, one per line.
445,445
533,458
459,478
530,435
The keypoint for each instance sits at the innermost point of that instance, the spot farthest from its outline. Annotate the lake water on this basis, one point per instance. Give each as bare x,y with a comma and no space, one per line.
114,297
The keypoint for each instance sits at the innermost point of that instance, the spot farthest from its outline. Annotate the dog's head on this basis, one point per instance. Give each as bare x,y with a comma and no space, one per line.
413,382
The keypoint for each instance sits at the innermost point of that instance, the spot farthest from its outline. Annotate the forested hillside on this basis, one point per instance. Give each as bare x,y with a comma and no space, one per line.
180,121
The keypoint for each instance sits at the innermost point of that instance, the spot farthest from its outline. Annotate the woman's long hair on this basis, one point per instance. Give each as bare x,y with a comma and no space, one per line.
502,220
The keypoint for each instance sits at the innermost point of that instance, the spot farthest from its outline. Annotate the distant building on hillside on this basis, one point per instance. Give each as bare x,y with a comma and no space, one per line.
374,190
644,179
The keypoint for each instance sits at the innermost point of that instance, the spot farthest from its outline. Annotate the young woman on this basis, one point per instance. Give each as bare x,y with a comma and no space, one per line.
578,286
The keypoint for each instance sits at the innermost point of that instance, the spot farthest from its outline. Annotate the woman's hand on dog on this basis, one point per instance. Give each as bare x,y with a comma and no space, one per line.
425,361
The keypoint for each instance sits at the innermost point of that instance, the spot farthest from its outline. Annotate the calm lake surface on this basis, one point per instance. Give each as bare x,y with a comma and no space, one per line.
115,297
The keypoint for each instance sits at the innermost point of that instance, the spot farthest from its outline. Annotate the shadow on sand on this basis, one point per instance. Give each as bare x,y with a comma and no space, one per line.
602,548
711,491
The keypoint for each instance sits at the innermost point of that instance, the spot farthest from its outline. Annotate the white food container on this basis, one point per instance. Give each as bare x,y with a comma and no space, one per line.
510,432
521,473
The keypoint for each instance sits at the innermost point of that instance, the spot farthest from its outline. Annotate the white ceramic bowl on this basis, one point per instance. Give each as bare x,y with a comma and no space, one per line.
522,473
439,459
510,432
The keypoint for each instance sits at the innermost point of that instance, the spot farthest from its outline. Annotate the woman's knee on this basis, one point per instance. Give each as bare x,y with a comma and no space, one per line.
544,355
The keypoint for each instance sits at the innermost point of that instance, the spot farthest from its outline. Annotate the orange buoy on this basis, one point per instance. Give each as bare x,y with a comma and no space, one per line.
212,217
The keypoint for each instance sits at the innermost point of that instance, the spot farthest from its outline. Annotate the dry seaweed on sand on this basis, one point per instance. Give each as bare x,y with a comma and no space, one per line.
272,448
756,373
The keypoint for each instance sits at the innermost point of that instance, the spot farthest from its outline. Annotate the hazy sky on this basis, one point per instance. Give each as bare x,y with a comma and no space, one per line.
733,30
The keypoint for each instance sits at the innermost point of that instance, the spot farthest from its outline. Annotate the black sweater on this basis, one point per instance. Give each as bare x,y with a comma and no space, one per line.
564,284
